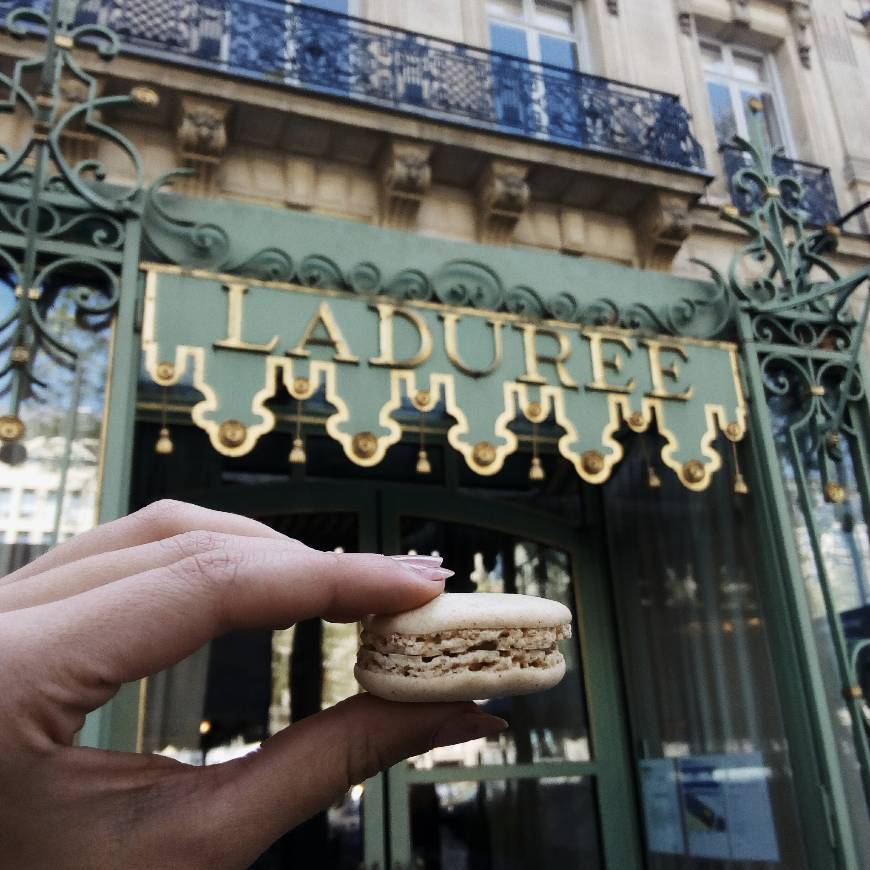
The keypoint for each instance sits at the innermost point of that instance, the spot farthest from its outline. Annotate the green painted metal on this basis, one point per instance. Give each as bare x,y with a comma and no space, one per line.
801,345
610,765
61,223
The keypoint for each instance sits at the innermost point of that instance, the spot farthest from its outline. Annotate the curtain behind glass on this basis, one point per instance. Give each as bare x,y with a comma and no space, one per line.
713,764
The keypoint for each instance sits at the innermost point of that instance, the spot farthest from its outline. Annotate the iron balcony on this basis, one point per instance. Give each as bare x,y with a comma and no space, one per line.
319,51
817,202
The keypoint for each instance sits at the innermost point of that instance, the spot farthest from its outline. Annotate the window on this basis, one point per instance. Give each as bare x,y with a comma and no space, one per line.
5,501
540,30
734,76
27,506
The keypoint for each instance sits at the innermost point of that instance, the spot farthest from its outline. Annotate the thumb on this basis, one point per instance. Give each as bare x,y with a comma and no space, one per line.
305,767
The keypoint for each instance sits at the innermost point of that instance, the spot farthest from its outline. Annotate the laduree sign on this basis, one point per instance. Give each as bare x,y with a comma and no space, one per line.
374,358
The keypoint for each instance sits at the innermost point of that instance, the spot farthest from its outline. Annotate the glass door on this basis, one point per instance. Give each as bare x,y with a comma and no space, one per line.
226,698
553,790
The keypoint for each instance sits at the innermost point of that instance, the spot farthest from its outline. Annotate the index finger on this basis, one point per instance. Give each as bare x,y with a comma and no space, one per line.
159,520
134,627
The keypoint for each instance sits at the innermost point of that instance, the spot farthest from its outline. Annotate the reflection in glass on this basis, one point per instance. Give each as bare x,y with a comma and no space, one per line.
511,824
63,412
845,549
548,726
225,699
701,692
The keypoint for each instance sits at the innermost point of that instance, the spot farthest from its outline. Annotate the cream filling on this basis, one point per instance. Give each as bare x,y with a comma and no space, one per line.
462,651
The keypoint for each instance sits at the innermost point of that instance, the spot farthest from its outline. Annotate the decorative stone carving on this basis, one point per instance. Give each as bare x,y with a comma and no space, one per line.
663,223
801,18
202,140
502,195
740,12
77,142
405,177
684,16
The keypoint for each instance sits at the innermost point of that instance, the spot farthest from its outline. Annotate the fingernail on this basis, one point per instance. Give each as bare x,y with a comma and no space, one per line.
428,572
419,560
468,726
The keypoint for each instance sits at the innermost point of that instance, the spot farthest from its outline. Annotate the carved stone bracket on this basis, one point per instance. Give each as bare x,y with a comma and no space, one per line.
662,223
684,16
502,196
740,12
77,142
202,140
405,178
801,18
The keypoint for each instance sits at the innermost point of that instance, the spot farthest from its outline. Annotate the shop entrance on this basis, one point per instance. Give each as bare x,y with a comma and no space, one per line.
555,790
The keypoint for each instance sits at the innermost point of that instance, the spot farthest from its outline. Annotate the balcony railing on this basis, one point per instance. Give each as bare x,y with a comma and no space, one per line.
818,201
316,50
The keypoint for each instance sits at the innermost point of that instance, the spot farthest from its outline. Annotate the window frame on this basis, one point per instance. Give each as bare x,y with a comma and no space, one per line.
772,86
526,23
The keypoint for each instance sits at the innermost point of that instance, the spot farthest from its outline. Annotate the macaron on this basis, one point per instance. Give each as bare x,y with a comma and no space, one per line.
464,647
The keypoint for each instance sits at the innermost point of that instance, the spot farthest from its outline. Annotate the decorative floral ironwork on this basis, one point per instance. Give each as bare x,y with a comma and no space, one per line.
817,201
68,228
323,51
174,239
803,344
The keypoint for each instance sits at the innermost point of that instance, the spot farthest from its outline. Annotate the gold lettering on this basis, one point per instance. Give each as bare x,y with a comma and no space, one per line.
534,358
451,346
600,365
659,372
334,337
235,315
387,357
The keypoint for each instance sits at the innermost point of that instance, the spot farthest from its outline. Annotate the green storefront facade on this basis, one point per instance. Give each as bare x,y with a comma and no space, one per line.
682,462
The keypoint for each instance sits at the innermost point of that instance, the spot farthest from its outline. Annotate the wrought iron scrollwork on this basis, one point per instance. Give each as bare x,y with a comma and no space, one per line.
68,227
804,342
172,237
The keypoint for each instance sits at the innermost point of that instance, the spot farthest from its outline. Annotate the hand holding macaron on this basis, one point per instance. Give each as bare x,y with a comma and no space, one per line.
135,596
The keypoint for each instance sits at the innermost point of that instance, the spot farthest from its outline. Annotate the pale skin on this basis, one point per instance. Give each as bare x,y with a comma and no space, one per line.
137,595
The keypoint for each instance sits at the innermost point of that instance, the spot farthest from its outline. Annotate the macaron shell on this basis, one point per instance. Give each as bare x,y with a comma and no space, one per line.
460,686
457,610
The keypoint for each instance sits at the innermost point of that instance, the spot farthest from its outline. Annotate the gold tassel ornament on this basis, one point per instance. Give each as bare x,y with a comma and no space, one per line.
424,466
740,485
536,471
163,446
297,453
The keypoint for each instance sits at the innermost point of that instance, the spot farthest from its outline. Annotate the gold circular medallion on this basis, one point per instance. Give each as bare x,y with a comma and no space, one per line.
165,371
693,471
20,355
772,192
592,462
835,492
144,96
756,104
422,398
730,210
732,432
232,433
301,386
483,453
534,411
12,428
364,445
636,420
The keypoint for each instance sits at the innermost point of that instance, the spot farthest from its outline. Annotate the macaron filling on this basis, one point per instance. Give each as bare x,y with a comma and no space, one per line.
467,649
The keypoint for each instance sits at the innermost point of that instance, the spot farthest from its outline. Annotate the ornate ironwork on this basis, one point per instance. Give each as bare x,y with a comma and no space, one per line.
802,347
319,50
172,238
67,232
817,200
